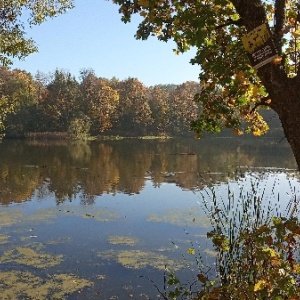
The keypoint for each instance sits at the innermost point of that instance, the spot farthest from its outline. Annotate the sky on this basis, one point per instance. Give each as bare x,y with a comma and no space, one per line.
93,36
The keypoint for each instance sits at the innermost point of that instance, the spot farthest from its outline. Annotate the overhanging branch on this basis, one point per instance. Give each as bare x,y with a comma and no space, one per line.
265,101
230,22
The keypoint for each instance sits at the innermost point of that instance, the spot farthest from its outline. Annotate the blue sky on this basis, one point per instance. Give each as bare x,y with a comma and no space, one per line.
92,35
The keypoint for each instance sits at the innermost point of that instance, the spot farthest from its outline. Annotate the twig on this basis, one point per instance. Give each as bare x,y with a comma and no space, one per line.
239,22
154,284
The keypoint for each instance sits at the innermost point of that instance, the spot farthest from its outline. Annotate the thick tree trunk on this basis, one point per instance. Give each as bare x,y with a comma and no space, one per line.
289,114
291,127
284,92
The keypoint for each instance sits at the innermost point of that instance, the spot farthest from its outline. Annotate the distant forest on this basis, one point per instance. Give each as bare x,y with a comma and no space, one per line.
60,104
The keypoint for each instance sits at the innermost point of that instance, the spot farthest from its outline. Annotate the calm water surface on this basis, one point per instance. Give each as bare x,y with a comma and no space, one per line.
99,220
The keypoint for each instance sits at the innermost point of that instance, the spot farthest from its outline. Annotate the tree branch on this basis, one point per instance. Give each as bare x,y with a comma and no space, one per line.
262,102
251,11
279,23
230,22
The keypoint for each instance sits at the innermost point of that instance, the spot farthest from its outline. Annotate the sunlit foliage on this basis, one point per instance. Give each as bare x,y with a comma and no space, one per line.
15,15
232,89
59,102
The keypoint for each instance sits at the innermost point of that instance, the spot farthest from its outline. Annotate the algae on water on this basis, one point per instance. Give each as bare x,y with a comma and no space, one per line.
189,217
23,285
122,240
31,257
4,239
137,259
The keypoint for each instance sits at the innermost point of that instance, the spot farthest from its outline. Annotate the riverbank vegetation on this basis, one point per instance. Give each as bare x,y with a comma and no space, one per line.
59,106
256,244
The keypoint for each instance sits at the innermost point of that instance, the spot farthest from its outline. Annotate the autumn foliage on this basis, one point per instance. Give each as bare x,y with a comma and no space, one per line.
58,102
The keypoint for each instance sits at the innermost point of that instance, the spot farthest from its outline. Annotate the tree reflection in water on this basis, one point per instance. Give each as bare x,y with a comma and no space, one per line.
87,202
96,168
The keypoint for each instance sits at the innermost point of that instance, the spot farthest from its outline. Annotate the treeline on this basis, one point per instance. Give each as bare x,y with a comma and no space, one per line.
59,103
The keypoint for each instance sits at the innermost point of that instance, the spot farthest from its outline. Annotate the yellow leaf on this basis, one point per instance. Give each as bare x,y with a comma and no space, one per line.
260,285
191,251
296,268
255,90
271,252
296,33
257,132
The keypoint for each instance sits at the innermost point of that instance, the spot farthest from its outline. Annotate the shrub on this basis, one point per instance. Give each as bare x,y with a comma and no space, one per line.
79,128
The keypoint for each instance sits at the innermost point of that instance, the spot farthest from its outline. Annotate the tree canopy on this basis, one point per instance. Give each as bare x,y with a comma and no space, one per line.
14,15
233,90
58,103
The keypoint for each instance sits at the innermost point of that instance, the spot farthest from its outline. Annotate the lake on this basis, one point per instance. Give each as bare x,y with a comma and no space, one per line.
104,219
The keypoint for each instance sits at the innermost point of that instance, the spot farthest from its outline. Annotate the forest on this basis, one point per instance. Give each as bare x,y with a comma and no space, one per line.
57,105
61,105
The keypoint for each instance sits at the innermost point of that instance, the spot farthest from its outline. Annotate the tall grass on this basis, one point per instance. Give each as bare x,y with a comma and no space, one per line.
255,232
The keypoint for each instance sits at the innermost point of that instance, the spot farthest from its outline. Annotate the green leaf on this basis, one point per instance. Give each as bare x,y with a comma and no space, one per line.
235,17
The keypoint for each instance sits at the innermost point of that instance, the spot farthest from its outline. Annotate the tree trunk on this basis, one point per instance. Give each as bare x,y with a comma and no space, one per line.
289,115
284,92
291,127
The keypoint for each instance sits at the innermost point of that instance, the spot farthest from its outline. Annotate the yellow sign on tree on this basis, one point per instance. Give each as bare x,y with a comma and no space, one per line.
259,46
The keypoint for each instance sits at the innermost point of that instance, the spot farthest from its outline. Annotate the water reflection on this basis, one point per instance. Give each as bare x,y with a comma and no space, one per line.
88,219
64,169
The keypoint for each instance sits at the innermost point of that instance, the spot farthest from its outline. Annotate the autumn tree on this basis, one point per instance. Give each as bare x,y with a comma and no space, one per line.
134,112
234,90
158,101
98,101
60,102
13,22
183,108
18,94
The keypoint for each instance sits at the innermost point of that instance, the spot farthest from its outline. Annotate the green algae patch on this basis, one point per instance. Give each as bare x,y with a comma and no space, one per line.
188,217
137,259
59,241
24,285
10,217
122,240
42,215
31,257
4,239
100,215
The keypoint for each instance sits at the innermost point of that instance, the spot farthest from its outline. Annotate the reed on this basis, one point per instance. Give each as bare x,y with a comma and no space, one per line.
255,239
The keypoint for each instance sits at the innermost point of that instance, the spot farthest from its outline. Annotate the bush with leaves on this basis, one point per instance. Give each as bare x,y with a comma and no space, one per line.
79,128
